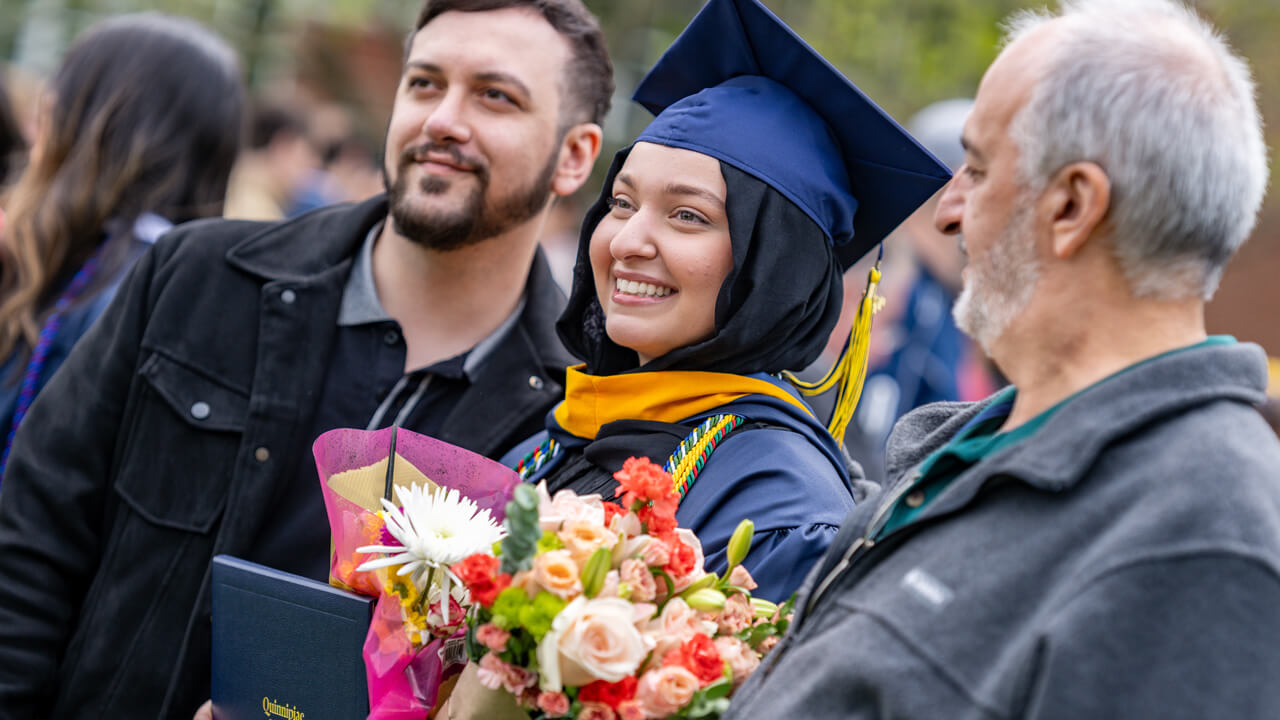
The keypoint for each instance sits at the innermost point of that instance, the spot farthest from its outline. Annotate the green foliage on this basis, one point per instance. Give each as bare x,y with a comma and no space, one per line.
523,532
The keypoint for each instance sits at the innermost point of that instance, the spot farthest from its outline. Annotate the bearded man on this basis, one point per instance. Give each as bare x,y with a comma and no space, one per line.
182,425
1102,538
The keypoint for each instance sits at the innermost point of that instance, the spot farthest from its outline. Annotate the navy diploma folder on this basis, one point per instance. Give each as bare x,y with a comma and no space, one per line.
286,647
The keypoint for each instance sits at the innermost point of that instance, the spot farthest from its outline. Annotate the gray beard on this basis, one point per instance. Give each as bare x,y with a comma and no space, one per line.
998,291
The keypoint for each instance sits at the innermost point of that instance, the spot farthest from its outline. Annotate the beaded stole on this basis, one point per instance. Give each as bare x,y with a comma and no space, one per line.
684,465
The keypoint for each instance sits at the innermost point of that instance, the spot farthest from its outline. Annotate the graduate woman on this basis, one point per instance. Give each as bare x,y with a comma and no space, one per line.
711,264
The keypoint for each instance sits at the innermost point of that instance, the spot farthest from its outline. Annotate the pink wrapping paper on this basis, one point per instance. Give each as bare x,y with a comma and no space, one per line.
403,682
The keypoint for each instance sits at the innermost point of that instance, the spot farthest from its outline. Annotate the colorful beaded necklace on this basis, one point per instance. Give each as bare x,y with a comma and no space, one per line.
684,465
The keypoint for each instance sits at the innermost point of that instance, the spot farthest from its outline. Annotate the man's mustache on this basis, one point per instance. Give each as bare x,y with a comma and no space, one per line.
423,153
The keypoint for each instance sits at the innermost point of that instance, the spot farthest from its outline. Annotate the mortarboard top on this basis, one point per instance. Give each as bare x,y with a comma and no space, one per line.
741,86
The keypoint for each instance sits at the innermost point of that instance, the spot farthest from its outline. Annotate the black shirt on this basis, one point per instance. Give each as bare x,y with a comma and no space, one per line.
365,387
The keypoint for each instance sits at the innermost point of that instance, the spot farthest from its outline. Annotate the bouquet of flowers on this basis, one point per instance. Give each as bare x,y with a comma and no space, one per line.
403,508
590,609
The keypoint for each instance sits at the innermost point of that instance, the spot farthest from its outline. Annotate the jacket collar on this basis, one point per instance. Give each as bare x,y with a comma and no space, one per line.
303,247
1059,454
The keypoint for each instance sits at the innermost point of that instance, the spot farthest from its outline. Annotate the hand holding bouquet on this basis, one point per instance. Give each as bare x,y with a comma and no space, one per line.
590,609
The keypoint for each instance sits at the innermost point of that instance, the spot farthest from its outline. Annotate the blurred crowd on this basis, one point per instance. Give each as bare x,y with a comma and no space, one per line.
296,151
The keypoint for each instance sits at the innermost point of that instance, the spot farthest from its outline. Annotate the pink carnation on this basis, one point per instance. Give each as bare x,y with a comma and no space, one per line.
554,704
493,673
657,553
493,637
637,576
736,615
739,577
631,710
742,659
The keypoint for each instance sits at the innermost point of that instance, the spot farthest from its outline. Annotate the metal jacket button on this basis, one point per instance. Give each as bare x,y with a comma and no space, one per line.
915,498
262,454
200,410
535,382
288,296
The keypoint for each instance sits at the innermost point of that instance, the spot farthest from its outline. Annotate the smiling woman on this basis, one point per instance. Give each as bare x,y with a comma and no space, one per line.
662,252
710,264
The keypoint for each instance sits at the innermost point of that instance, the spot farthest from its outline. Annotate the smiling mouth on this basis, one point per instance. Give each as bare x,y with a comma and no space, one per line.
641,289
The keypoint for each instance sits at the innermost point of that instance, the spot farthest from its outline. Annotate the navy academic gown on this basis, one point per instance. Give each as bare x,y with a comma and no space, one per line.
787,476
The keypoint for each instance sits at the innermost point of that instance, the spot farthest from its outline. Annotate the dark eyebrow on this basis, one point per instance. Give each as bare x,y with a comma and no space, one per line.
420,65
504,79
484,77
967,144
678,189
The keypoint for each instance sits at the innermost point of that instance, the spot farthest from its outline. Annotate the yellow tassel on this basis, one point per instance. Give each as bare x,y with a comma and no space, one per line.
850,370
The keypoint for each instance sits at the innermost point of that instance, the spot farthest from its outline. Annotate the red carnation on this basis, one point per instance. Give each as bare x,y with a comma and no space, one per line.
641,481
476,568
700,657
611,694
479,573
486,593
611,511
656,523
683,559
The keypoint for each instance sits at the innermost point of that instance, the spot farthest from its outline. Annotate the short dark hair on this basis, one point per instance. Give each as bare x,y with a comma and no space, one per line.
588,76
269,119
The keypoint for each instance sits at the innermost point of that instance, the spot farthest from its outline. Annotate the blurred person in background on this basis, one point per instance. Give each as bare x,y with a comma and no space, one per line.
139,130
271,171
918,355
348,165
182,425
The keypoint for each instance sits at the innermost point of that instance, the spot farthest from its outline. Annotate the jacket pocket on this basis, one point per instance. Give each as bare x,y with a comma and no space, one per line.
183,437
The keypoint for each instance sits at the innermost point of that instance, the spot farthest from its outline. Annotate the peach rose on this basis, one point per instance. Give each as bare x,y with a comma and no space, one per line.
583,538
767,644
637,576
663,691
566,507
736,615
556,572
742,659
591,640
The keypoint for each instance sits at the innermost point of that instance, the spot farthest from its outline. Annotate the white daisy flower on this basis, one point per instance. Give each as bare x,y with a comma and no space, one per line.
435,530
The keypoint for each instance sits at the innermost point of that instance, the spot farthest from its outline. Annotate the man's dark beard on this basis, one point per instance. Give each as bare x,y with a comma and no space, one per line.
473,221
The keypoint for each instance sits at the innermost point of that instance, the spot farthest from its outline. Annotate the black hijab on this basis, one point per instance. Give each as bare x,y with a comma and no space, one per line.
774,312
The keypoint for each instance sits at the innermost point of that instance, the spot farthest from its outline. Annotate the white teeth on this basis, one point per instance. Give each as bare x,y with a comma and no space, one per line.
631,287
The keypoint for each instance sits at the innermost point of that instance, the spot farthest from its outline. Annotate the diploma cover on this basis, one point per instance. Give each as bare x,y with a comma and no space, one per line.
286,647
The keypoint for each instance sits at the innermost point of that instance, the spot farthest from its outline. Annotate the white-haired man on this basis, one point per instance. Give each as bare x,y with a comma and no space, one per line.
1101,539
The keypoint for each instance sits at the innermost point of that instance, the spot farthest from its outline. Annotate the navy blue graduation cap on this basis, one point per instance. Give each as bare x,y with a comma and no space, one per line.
741,86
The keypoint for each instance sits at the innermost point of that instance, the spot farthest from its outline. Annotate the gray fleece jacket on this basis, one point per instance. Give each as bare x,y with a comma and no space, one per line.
1123,562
